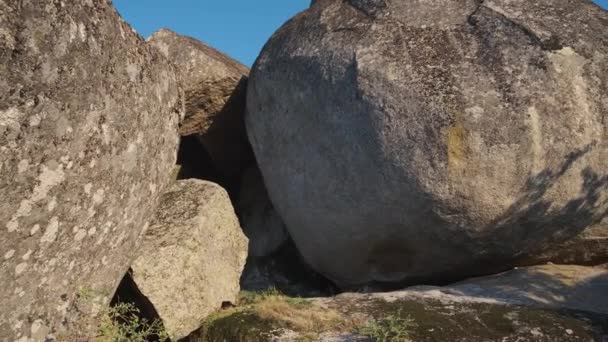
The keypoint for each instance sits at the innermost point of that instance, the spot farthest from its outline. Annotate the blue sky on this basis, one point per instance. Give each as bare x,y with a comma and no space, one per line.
237,27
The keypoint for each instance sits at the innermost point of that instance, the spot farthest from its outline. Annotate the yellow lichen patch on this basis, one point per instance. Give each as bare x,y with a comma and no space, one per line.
456,145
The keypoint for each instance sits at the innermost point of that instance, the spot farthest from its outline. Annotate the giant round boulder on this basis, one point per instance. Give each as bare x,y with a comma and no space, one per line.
416,141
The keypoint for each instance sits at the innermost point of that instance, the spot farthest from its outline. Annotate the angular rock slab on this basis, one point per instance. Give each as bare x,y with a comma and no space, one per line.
88,139
215,87
405,142
553,286
192,256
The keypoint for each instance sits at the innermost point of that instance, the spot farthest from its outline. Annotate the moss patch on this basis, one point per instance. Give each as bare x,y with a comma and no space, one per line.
432,320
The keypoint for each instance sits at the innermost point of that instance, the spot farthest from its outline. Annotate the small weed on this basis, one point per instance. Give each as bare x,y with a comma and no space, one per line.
251,297
392,328
86,294
122,323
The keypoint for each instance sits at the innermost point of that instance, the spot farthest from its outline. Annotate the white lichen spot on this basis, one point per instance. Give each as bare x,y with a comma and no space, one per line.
21,294
98,196
82,31
80,235
63,307
35,120
34,229
73,30
122,32
27,255
50,234
536,332
10,117
12,225
87,188
129,158
23,166
9,254
140,138
51,176
39,330
18,325
133,72
52,204
20,268
475,112
49,73
107,137
92,163
91,212
92,231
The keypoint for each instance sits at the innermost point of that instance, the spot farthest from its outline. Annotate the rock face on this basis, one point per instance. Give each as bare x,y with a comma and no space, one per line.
191,257
261,223
215,87
88,138
432,140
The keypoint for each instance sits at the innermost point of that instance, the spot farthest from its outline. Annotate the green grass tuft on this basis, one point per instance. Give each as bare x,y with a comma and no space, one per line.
392,328
122,323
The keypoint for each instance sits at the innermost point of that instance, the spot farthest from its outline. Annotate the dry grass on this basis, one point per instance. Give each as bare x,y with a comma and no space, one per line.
261,315
298,315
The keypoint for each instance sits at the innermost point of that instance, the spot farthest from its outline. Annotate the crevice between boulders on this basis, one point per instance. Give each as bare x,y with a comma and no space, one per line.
221,154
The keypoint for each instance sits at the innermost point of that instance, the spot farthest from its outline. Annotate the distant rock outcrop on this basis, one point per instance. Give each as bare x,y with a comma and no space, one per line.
191,257
433,140
215,87
88,139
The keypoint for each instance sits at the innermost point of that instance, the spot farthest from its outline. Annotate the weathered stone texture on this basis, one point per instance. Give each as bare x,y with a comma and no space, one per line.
88,137
192,256
408,141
